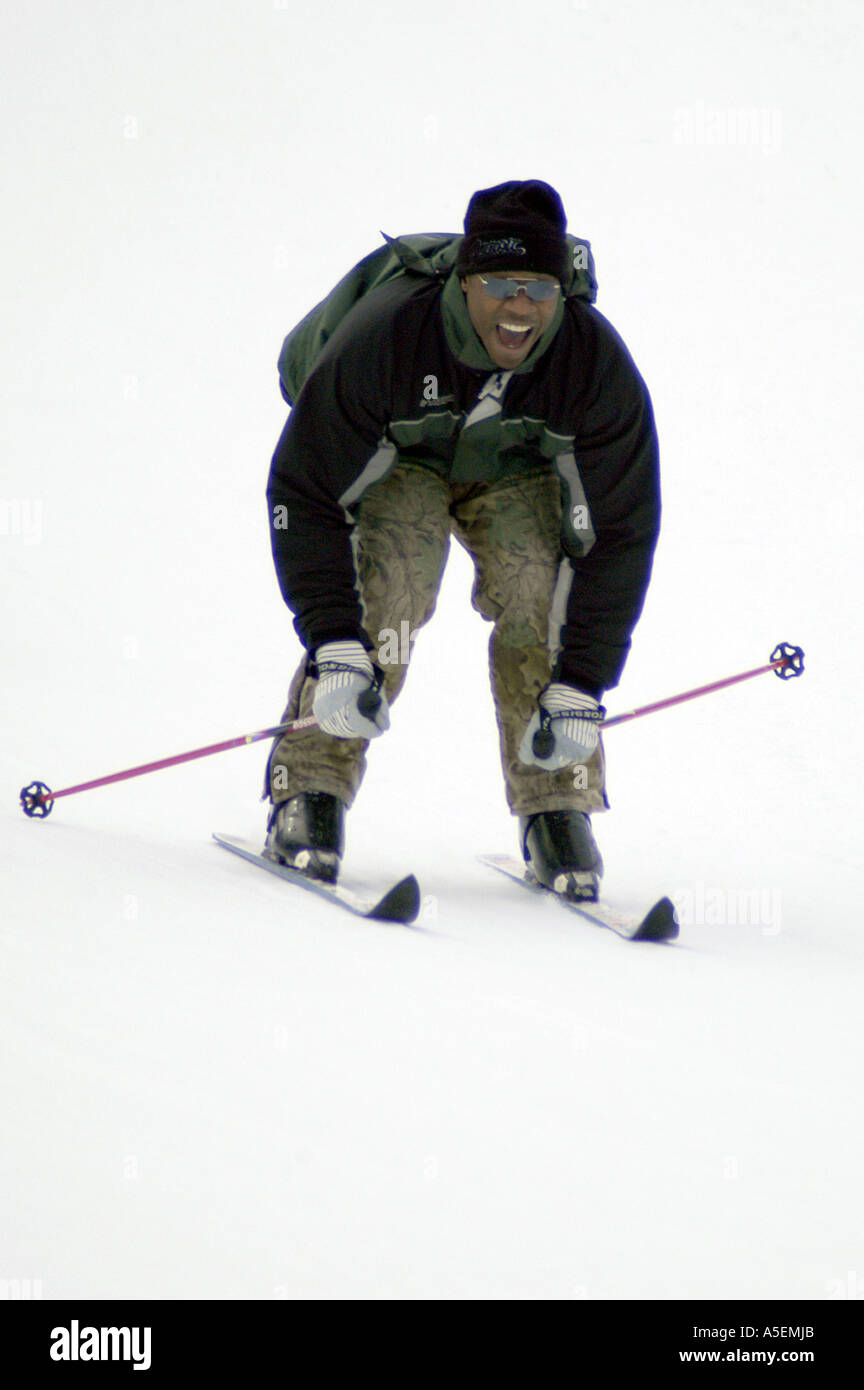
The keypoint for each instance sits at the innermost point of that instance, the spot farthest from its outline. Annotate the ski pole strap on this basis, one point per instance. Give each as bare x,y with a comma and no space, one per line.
369,701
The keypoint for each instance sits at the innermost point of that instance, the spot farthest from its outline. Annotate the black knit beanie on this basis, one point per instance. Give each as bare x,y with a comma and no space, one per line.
516,225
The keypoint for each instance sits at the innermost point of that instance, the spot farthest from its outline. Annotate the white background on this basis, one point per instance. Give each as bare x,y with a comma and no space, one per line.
215,1086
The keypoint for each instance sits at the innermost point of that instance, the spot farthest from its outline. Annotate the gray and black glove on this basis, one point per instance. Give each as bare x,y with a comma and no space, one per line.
564,730
348,701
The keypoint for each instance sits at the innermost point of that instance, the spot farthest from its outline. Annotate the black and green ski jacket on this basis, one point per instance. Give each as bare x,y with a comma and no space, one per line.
404,377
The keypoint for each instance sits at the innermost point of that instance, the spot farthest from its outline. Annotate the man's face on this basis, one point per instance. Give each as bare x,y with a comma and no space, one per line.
508,328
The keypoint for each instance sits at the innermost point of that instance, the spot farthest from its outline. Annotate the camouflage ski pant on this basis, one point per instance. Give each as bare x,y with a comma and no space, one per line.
511,530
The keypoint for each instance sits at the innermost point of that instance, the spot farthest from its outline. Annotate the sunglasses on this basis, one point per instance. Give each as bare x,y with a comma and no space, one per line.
508,289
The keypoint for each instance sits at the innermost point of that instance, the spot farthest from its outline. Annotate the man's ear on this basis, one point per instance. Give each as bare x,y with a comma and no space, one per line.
463,283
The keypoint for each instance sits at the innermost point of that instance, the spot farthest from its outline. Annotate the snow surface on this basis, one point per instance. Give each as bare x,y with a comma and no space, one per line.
214,1086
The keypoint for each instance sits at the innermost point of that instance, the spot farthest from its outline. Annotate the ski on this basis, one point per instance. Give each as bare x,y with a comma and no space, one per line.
659,924
401,903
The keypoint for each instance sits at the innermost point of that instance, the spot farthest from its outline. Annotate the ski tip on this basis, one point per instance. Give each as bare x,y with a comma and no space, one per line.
660,924
400,904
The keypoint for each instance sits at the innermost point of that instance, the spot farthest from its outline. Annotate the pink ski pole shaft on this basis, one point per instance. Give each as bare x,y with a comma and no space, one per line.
37,799
786,661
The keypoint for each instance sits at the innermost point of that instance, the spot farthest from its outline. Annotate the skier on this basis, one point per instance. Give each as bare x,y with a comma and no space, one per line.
489,405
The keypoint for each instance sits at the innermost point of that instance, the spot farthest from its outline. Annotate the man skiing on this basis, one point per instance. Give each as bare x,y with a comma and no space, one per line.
484,402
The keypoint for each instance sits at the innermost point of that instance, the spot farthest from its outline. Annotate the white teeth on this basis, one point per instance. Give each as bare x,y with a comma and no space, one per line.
515,327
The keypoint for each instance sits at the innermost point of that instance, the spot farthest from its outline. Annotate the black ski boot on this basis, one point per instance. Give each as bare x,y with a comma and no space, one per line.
560,852
308,834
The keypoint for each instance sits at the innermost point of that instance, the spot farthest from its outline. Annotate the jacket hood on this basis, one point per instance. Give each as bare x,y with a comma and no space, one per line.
462,337
434,254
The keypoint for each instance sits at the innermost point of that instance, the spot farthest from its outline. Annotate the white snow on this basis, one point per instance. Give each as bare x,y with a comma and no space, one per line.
215,1086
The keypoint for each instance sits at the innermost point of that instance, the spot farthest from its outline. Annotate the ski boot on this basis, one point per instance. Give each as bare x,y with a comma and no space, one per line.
307,833
560,852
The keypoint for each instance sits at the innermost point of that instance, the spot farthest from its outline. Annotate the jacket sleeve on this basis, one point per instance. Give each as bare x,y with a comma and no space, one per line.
617,456
333,437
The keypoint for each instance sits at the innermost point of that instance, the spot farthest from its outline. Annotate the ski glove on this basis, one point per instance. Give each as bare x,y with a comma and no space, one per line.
564,730
348,701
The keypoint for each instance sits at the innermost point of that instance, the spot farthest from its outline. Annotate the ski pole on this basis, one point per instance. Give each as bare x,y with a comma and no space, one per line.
785,661
37,799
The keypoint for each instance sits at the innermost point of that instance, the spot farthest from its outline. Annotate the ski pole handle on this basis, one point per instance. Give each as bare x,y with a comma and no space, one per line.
369,702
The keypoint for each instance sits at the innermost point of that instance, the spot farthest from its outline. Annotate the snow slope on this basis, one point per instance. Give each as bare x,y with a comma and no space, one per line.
216,1087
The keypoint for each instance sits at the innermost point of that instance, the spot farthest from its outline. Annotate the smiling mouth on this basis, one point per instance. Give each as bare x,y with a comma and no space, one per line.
513,335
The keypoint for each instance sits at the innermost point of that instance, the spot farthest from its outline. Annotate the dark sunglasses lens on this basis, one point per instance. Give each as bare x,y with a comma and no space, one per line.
499,289
535,289
541,289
